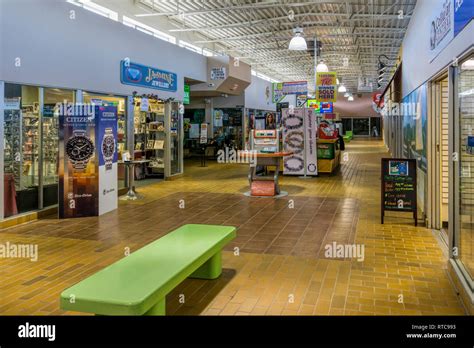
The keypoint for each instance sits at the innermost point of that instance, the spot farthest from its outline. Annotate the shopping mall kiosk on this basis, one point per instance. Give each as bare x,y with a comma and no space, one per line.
265,146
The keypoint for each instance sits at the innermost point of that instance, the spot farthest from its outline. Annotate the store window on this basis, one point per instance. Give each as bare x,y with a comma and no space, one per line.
346,125
361,126
465,231
119,102
228,127
22,145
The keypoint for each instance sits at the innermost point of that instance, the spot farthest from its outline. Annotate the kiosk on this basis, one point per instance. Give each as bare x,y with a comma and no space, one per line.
266,152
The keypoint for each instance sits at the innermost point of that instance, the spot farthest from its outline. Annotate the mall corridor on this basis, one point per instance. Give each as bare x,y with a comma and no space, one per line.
276,265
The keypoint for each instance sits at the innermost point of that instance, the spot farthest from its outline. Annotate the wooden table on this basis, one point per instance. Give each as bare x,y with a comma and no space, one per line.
257,183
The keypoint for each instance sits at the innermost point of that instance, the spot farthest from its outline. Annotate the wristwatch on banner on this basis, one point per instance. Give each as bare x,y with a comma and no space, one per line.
79,149
108,148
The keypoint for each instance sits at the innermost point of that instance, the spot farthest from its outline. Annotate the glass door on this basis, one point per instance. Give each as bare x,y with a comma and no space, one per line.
464,202
361,126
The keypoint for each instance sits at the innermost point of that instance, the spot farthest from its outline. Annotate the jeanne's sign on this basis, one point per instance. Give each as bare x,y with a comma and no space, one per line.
144,76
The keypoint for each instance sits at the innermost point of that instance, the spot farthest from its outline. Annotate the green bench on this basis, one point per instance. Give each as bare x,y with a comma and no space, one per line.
138,283
348,136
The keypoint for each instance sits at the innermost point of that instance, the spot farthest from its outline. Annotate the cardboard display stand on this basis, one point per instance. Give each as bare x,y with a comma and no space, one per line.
87,160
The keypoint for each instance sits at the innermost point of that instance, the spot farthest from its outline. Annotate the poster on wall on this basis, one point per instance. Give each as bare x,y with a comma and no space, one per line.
415,137
87,151
300,100
218,73
194,131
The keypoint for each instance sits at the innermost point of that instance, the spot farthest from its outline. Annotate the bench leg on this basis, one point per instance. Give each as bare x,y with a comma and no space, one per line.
212,269
158,309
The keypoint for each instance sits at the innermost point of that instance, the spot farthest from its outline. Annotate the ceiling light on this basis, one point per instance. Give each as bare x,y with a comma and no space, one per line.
321,67
342,89
347,94
468,65
351,98
298,43
337,81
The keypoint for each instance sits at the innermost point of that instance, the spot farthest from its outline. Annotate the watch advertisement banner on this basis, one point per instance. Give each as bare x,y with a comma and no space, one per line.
87,159
106,127
78,161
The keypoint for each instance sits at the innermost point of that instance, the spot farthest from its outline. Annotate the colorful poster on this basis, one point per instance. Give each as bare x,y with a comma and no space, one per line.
87,151
78,161
326,79
414,110
144,76
319,107
326,94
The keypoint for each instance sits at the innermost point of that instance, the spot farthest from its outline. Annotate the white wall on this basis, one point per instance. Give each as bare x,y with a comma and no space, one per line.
85,52
255,95
417,67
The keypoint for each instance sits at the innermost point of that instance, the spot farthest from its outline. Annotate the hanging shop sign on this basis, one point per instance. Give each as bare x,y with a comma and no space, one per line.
463,14
281,89
218,73
441,27
319,107
326,94
88,160
326,78
399,186
144,76
300,100
299,137
187,93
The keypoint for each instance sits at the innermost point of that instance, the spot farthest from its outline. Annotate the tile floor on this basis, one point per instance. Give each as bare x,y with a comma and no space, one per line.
276,265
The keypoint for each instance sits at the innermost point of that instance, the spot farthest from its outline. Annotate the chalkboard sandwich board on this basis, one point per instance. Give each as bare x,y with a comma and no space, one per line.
399,186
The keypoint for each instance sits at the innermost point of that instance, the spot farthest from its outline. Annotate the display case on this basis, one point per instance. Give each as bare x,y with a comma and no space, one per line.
158,130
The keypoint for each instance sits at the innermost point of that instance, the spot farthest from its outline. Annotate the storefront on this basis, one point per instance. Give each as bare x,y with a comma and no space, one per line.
437,109
29,152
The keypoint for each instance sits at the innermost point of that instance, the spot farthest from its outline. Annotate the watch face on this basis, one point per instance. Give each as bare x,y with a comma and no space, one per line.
79,148
108,146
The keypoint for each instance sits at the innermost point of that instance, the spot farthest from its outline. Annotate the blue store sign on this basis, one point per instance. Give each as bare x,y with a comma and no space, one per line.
144,76
463,13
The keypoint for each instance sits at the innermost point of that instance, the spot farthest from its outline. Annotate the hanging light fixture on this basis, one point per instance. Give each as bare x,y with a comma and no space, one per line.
337,81
342,89
351,98
321,67
298,43
347,94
